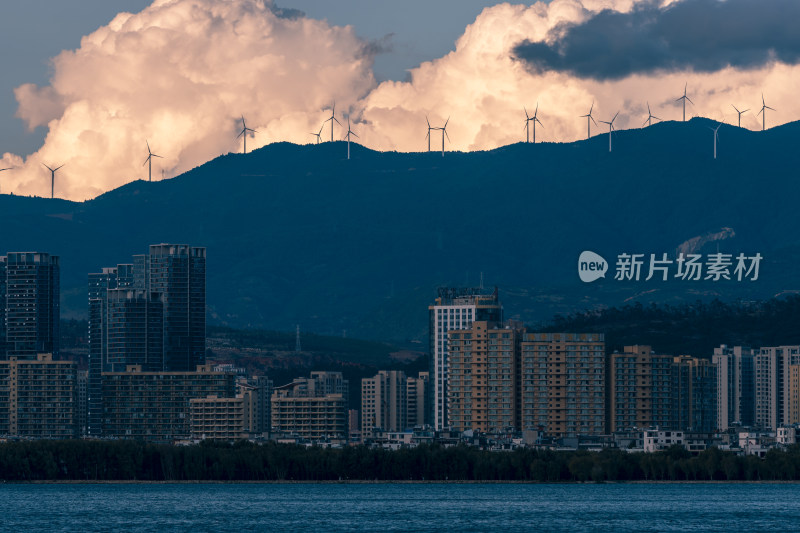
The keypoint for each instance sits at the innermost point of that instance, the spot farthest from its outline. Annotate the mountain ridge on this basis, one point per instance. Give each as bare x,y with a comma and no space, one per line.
299,234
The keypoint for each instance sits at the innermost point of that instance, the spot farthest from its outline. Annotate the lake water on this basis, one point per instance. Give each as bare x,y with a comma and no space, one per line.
424,507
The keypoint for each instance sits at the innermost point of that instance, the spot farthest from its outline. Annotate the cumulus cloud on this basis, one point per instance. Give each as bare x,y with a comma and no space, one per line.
483,86
181,72
699,35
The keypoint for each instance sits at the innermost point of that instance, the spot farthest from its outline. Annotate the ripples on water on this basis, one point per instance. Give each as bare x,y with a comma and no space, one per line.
296,508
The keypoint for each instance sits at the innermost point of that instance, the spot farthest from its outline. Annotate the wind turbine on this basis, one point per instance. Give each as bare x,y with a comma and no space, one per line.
610,129
443,129
650,116
4,169
589,119
763,113
428,136
527,126
332,119
243,134
52,179
685,98
318,135
535,119
716,137
349,133
444,132
740,114
150,156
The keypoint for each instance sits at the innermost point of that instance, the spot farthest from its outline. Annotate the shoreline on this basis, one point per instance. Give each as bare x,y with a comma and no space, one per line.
392,482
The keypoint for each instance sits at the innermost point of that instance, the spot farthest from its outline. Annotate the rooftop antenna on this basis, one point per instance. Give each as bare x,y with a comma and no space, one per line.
763,113
740,114
297,340
52,179
349,133
650,116
150,156
333,119
318,135
610,129
481,280
716,137
243,134
685,98
589,119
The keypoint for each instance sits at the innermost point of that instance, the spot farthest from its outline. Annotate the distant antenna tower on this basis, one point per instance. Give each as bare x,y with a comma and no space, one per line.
297,340
481,280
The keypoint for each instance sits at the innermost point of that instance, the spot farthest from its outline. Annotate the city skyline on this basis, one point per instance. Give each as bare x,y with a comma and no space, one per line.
523,63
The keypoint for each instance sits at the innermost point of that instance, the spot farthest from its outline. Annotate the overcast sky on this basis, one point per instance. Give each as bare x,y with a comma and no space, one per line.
33,31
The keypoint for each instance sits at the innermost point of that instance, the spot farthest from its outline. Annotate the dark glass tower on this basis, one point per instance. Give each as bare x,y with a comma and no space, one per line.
178,274
29,305
151,313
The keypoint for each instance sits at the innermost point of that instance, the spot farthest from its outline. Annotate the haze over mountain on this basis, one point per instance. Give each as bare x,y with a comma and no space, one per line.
299,235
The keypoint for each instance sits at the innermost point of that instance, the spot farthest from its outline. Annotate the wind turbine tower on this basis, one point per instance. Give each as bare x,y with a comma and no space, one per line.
318,135
149,160
4,169
52,179
349,133
740,114
650,116
716,137
444,132
685,98
243,134
428,136
763,113
589,119
610,129
333,119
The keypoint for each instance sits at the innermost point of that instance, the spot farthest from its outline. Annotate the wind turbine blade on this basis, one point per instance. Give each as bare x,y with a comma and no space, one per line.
655,117
648,108
448,136
768,107
59,167
448,118
148,146
746,110
146,160
48,168
428,121
689,100
762,110
337,120
645,122
591,108
242,133
158,156
526,113
615,117
592,119
354,134
733,106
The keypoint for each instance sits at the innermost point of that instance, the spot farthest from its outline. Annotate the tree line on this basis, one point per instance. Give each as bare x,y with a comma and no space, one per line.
30,461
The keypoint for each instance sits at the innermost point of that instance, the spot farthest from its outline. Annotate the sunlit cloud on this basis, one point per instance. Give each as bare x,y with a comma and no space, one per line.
180,73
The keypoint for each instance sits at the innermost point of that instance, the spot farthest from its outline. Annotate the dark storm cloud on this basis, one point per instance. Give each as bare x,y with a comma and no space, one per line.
699,35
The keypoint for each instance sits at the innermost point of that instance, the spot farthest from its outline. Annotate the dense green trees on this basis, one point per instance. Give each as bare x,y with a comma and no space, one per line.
134,461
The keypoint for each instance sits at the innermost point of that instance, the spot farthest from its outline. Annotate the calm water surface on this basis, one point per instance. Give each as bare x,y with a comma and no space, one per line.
551,508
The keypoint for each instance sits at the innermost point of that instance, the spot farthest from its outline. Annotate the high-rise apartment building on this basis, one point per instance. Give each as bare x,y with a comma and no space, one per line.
639,389
312,408
38,397
772,369
29,305
418,394
149,313
735,386
155,406
694,394
483,379
563,383
453,309
384,402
